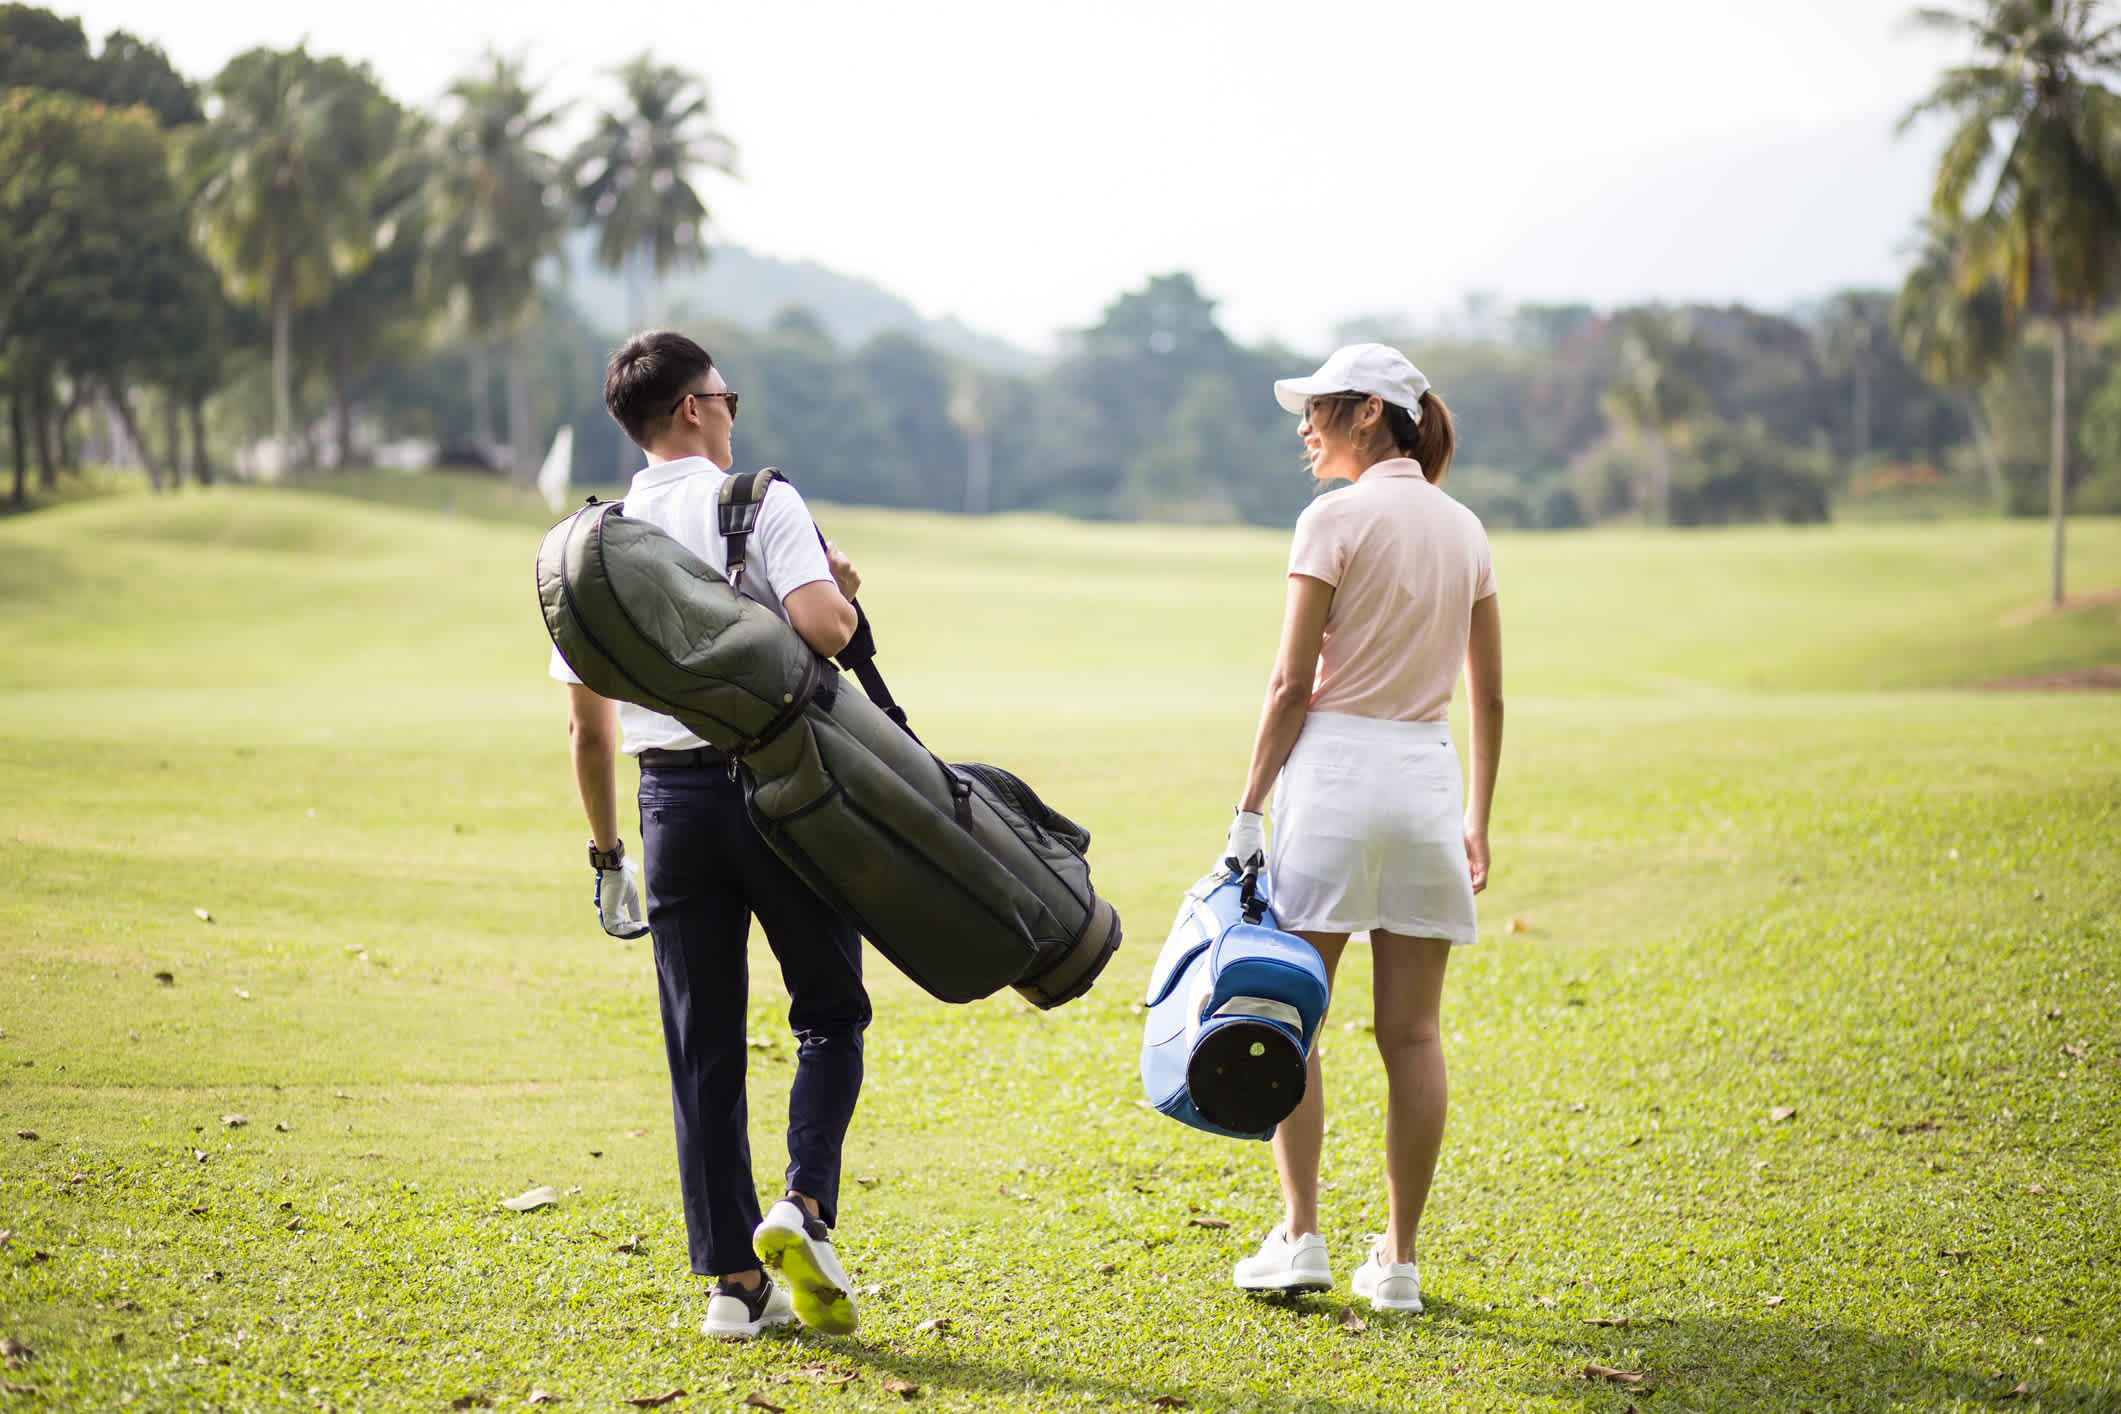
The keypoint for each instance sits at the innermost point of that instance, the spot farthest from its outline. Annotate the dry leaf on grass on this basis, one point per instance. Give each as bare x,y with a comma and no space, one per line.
1105,1269
538,1396
25,1134
934,1323
240,992
1595,1371
632,1244
235,1121
867,1182
1212,1224
826,1375
1781,1113
2036,1188
756,1400
167,979
2074,1052
7,1235
537,1197
15,1353
2019,1392
1168,1401
1517,925
1621,1322
902,1388
1771,1301
652,1401
1350,1322
18,1389
282,1125
875,1288
474,1400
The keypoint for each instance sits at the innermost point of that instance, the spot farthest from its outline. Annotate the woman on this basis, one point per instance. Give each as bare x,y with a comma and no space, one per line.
1390,589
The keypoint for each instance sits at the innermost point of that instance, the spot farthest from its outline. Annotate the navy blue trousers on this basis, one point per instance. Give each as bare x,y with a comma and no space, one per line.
707,873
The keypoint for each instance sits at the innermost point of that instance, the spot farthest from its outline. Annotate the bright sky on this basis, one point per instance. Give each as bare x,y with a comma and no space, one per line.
1020,165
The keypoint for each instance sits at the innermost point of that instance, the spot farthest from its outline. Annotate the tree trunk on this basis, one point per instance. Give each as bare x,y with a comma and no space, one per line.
342,400
481,404
283,322
63,433
18,436
202,470
40,416
1984,450
978,470
2058,459
172,440
522,457
122,405
1659,456
1863,414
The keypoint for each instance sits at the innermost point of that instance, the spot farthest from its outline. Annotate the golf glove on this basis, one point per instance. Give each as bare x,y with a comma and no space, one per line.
1247,845
618,895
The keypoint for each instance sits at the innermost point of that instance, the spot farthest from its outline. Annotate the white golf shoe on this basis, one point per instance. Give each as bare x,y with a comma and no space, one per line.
1388,1286
1284,1265
733,1314
800,1248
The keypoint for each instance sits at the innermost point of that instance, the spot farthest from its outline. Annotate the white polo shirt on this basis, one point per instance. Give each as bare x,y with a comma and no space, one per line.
782,555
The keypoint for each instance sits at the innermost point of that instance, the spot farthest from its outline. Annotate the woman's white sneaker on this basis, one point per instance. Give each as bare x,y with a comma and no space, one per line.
1284,1265
1388,1286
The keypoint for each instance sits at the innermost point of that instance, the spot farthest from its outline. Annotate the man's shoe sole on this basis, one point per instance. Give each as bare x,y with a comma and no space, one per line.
818,1303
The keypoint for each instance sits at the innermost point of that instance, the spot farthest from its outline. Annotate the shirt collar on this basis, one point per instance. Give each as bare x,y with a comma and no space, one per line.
666,472
1396,466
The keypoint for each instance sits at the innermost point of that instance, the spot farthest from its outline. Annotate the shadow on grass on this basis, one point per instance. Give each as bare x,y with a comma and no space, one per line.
1720,1363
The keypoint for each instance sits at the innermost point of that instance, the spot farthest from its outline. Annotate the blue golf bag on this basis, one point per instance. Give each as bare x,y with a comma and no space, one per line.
1234,1005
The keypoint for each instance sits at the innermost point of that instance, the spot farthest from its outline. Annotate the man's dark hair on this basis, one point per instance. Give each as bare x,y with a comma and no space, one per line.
647,377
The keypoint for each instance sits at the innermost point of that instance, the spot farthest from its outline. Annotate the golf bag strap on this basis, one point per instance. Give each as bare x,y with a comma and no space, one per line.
737,512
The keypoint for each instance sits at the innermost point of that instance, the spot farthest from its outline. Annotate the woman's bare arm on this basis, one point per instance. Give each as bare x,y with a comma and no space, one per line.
1303,629
1484,700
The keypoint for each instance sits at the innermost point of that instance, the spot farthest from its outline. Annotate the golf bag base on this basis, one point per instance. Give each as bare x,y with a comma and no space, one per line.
1234,1006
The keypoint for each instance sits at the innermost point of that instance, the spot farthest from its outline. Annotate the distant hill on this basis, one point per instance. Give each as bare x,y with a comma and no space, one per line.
750,289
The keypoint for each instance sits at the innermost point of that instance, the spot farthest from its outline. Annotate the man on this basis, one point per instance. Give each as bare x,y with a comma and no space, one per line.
708,873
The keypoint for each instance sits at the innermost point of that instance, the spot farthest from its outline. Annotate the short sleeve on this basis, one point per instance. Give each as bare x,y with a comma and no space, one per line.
558,669
786,541
1317,549
1484,578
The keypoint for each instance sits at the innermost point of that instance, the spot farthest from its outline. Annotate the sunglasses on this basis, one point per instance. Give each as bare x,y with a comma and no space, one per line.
1310,402
729,393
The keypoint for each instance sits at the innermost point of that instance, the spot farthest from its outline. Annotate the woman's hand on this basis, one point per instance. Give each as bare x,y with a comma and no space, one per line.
1477,855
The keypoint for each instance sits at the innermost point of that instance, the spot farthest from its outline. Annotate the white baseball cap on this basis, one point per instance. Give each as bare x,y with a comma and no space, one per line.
1377,369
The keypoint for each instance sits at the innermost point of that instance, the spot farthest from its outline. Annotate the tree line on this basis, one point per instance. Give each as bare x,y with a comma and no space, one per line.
285,246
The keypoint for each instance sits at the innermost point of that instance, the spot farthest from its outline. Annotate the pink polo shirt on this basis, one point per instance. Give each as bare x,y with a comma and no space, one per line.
1407,563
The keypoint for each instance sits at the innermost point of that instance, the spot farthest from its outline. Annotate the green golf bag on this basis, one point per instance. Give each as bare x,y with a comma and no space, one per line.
959,874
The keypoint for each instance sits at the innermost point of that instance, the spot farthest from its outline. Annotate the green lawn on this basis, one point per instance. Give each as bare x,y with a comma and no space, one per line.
1785,1075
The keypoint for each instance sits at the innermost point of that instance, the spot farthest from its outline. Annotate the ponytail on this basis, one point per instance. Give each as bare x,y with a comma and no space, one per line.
1433,440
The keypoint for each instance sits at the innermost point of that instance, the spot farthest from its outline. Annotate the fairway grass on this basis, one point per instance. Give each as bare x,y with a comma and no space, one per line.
1784,1075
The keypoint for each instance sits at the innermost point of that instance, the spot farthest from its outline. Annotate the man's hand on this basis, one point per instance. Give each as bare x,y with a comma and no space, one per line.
618,900
1247,846
843,573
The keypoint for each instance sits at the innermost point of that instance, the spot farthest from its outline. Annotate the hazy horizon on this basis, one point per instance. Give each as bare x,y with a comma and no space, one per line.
1019,169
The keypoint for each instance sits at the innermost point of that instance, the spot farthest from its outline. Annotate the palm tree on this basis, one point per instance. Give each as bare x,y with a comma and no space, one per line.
2038,134
1654,396
1849,342
633,176
1953,337
496,208
283,173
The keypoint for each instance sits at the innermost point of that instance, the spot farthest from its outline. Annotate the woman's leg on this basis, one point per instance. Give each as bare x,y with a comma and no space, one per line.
1298,1138
1409,986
